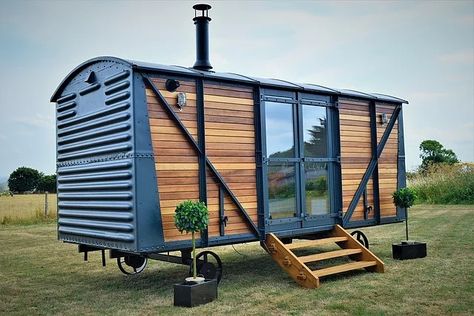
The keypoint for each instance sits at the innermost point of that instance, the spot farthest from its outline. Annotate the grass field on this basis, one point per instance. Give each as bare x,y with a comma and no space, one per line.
40,275
26,208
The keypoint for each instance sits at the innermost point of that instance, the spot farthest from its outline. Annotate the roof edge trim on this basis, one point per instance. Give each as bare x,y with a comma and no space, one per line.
57,93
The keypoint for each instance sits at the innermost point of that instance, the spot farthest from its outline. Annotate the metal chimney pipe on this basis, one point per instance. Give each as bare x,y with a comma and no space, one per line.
201,20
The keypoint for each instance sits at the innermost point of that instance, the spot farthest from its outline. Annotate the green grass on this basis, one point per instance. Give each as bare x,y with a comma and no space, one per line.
444,184
25,209
40,275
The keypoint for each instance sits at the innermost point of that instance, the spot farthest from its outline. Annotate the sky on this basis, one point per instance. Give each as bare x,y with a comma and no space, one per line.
421,51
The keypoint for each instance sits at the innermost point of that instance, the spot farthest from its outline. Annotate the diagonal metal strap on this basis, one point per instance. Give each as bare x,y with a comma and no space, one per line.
190,138
372,164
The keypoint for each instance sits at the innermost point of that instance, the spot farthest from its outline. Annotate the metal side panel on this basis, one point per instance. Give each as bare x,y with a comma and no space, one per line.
149,222
94,115
95,158
96,204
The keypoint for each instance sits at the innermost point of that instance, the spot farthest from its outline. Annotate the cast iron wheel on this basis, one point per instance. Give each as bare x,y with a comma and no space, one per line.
132,264
361,238
208,264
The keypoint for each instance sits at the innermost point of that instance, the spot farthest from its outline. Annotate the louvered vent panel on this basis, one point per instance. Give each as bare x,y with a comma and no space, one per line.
95,200
96,121
95,159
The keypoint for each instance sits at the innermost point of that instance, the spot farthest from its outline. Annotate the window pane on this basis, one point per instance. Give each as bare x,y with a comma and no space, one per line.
316,187
279,130
315,131
281,190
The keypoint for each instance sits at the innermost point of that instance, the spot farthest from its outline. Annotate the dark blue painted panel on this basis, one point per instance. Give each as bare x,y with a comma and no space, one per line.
149,223
95,158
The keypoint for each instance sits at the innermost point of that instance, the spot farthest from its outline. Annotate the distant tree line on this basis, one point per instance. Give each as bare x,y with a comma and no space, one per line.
28,180
432,152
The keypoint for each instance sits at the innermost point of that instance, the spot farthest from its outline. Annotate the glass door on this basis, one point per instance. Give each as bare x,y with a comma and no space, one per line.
298,163
316,165
281,156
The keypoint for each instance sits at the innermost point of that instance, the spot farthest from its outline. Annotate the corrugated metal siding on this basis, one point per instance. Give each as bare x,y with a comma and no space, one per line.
95,200
95,158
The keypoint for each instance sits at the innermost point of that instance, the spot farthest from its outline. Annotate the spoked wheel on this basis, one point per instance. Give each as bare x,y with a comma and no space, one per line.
132,264
361,238
209,265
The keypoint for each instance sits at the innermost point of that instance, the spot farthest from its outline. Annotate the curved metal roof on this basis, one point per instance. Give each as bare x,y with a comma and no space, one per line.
265,82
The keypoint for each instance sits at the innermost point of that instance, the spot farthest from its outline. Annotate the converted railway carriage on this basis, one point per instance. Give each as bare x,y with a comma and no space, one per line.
273,160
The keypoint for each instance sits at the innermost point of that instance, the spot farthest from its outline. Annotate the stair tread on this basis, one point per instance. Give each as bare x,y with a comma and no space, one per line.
315,242
344,268
329,255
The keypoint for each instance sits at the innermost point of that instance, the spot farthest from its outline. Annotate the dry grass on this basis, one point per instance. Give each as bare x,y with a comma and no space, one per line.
26,208
40,275
444,184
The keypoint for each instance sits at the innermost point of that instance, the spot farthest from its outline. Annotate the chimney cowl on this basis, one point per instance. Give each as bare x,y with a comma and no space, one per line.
201,20
203,10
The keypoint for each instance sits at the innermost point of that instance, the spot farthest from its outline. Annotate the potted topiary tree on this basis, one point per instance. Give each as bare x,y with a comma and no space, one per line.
404,198
192,217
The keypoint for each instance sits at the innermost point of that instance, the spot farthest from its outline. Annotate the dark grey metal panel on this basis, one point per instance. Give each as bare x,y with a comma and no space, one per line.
95,123
401,173
318,89
357,94
227,76
277,83
95,165
149,221
163,68
388,98
95,204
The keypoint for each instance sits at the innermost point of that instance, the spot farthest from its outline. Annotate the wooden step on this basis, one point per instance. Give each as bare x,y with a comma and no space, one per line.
290,263
344,268
329,255
315,242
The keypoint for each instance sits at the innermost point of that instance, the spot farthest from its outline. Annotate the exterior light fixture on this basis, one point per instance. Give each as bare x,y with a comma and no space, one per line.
181,100
172,85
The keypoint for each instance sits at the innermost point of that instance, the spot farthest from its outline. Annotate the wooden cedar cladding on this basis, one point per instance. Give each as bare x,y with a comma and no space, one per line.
388,162
356,153
230,147
176,162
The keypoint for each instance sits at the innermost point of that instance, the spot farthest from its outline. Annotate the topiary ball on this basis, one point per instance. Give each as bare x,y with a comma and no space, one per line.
405,197
191,216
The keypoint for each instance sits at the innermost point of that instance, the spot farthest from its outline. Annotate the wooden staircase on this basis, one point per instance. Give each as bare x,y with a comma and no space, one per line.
297,266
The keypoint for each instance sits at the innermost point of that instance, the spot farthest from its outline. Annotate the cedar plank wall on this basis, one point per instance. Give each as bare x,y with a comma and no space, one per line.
388,167
230,146
356,152
176,161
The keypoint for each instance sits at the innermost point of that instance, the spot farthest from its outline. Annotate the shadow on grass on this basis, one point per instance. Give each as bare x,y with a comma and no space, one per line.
239,272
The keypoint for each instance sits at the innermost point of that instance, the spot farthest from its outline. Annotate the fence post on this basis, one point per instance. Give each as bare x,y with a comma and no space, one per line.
46,204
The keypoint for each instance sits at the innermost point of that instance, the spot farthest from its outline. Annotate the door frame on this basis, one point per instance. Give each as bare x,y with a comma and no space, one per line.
302,222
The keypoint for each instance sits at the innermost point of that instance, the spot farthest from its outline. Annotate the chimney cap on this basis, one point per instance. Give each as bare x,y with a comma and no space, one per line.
203,9
201,6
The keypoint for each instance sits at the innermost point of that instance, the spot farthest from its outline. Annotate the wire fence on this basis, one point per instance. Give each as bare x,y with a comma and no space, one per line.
27,207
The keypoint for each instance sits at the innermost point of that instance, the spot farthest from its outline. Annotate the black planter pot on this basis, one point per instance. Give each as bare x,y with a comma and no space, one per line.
191,294
409,250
